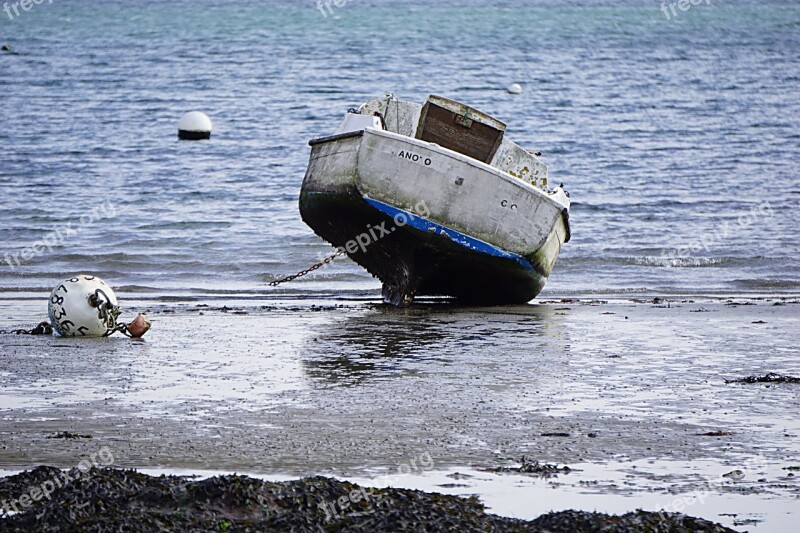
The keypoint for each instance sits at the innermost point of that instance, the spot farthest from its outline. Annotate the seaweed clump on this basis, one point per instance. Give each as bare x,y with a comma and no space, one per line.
124,500
527,466
772,377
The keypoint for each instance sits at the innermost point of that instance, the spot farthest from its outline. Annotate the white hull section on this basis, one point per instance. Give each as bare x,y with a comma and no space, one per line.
466,195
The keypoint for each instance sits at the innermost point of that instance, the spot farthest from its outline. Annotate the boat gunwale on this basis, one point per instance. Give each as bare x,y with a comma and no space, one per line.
336,137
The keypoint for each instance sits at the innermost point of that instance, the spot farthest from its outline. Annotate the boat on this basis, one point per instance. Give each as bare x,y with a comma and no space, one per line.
434,200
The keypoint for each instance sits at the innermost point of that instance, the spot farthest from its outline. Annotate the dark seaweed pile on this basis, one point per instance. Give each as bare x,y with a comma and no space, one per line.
772,377
528,466
125,500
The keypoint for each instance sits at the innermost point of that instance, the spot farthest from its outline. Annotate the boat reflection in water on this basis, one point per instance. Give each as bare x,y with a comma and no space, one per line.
385,342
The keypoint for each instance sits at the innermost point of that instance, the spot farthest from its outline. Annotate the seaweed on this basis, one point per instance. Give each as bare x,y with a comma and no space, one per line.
69,436
527,466
772,377
110,499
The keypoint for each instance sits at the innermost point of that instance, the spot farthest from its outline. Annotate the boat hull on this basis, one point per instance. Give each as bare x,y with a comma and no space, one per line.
423,224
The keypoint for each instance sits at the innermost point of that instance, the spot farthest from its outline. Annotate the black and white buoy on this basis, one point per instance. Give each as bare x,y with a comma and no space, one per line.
194,126
86,306
83,306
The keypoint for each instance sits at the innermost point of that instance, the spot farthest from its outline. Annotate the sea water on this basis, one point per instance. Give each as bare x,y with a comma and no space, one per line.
677,134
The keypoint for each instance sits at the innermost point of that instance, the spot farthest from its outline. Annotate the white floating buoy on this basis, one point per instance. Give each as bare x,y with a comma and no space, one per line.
514,88
83,306
194,126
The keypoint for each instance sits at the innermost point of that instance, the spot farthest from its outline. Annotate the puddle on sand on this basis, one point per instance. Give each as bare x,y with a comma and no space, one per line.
697,489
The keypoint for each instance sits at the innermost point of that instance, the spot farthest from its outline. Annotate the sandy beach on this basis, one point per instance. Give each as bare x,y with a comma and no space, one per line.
631,395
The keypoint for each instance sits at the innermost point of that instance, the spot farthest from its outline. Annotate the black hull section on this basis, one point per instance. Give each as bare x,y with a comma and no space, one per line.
411,262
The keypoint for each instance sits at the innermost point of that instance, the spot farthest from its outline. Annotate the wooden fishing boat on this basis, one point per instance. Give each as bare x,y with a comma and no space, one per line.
433,200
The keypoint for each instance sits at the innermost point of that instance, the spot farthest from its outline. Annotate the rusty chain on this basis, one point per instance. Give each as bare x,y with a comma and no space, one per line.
44,328
308,270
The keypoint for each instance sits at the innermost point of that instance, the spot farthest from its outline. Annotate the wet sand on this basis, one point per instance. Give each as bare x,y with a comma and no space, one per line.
356,390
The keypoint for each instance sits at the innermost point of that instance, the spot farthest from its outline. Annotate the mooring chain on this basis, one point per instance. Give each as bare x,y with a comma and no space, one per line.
121,328
106,311
302,273
44,328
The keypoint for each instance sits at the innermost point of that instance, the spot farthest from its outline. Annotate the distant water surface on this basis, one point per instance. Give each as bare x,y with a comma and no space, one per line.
669,134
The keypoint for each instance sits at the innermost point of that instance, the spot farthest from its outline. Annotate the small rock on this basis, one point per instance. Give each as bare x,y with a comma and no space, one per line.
735,475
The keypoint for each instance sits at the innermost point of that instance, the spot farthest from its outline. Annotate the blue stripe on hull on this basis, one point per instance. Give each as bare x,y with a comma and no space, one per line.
457,237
